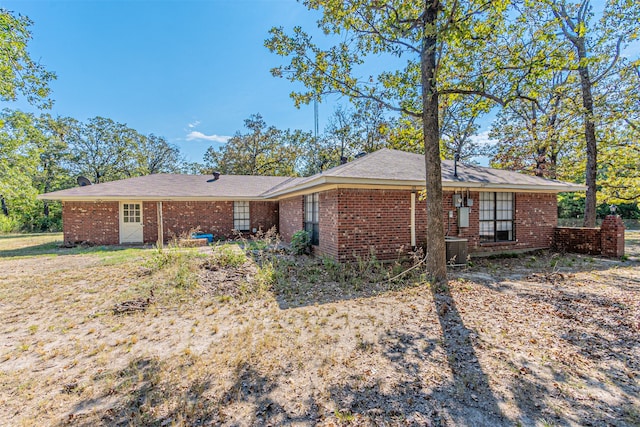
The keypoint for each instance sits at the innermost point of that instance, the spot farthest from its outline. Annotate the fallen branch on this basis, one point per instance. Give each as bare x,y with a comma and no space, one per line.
131,306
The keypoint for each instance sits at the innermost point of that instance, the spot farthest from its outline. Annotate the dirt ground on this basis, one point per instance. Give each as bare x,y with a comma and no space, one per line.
133,336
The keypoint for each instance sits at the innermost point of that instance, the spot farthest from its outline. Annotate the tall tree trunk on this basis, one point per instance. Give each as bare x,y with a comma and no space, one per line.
590,137
436,253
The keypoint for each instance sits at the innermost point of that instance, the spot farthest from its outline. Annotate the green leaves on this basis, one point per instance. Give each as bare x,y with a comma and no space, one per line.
19,74
261,151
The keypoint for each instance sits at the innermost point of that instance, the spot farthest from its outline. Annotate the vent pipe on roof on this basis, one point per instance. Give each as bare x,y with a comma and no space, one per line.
216,176
456,157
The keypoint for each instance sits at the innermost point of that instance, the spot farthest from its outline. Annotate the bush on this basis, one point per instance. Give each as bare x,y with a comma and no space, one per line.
8,224
228,255
300,243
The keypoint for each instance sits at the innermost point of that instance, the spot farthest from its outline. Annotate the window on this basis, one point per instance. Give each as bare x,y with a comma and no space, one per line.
311,215
241,216
496,217
131,212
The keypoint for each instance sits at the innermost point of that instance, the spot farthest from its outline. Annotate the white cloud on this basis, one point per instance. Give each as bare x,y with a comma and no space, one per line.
194,124
199,136
482,139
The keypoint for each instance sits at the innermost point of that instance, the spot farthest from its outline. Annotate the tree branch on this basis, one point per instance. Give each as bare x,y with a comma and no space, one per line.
613,62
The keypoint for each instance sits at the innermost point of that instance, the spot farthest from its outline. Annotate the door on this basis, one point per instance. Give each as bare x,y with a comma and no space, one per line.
131,222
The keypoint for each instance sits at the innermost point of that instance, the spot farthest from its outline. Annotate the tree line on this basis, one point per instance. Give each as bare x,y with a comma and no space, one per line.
39,154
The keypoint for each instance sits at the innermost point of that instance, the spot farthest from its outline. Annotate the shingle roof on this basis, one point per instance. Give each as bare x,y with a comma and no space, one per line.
168,186
393,167
382,168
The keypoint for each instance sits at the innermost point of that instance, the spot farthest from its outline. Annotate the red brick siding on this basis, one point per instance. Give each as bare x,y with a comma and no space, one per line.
328,206
608,240
263,215
380,220
150,222
535,218
578,240
291,217
372,220
90,222
181,217
612,236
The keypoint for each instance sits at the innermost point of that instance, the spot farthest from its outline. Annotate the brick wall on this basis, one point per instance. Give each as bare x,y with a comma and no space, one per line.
612,236
96,223
372,220
291,217
355,221
578,239
352,221
535,217
178,218
608,240
329,210
263,215
209,217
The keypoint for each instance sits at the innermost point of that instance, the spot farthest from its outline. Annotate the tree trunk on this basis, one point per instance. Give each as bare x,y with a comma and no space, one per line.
590,137
5,211
436,253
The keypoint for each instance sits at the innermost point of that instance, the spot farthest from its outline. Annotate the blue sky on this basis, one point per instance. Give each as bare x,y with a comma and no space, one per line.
191,71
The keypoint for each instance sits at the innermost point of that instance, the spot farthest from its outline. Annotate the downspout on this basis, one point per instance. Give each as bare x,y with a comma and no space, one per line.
413,219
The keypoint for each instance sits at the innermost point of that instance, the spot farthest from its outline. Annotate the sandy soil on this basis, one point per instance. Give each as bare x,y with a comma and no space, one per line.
541,339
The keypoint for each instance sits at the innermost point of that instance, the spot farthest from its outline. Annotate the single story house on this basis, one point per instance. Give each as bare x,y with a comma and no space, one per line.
370,204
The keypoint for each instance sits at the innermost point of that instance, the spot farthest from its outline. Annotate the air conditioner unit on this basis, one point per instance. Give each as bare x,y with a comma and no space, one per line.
457,251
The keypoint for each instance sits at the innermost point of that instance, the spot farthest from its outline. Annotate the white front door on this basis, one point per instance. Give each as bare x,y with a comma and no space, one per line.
131,222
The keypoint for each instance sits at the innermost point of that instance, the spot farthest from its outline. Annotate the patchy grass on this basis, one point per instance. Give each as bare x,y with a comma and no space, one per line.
632,248
227,339
50,245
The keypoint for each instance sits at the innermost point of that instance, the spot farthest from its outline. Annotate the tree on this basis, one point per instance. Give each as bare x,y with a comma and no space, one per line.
153,154
619,164
353,131
52,172
18,72
103,149
442,42
262,151
18,162
459,115
532,135
594,46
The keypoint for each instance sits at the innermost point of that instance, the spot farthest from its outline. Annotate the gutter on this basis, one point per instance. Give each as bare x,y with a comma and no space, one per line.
330,180
322,181
92,198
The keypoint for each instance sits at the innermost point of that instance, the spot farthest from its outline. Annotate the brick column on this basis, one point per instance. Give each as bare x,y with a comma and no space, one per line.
612,236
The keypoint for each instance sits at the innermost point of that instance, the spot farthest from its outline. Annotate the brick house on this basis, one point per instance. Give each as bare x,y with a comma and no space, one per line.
372,204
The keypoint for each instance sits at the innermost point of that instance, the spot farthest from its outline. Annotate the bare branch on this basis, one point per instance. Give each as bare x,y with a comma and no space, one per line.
613,62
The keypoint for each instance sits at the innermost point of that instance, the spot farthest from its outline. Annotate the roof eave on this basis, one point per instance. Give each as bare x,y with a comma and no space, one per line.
548,188
148,198
328,180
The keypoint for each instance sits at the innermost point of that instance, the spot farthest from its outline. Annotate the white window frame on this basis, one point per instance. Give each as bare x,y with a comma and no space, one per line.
241,215
132,213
